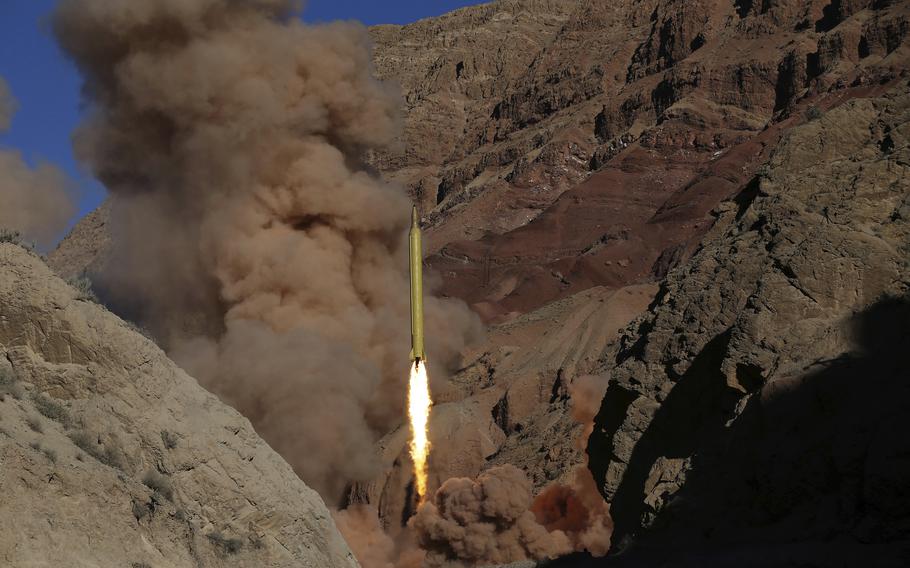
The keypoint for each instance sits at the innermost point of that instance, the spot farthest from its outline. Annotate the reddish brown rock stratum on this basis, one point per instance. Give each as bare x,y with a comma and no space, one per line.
556,146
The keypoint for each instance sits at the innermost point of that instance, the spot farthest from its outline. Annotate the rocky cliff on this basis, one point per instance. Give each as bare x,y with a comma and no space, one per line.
639,127
762,400
112,456
592,152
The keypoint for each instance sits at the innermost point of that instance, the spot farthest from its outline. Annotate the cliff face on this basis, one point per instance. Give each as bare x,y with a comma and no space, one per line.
590,149
760,400
556,146
112,456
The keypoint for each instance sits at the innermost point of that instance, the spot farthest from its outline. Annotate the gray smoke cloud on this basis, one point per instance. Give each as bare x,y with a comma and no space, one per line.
35,202
249,238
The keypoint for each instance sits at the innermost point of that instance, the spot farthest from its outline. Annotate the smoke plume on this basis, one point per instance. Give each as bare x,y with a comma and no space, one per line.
249,238
494,520
578,510
372,547
36,202
485,521
585,395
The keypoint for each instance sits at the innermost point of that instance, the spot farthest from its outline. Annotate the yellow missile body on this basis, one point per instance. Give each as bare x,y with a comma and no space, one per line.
416,261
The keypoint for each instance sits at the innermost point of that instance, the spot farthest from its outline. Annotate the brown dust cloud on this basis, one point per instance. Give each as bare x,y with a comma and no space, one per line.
261,252
36,202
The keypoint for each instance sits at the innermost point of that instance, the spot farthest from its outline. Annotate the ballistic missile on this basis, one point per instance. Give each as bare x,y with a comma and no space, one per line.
416,261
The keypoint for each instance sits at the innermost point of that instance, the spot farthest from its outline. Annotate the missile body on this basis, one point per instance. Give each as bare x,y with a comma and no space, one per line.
416,261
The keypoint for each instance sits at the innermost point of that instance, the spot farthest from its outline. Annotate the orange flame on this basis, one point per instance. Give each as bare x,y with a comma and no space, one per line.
419,413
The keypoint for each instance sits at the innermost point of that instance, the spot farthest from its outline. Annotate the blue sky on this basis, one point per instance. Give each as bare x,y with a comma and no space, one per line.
47,86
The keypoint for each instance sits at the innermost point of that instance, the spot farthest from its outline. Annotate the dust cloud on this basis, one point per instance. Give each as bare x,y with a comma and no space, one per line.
271,263
35,202
495,520
485,521
249,237
578,510
373,548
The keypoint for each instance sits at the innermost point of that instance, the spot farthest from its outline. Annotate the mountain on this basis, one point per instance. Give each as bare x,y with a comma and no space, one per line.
594,158
113,456
702,205
759,400
559,146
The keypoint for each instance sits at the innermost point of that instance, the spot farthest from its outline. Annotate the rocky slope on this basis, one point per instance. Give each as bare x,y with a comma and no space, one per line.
673,104
112,456
662,124
510,105
763,399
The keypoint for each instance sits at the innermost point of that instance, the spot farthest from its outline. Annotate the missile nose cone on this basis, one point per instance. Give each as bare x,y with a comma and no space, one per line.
415,218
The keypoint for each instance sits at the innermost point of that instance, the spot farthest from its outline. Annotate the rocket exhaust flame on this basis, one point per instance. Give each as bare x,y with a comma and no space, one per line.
419,403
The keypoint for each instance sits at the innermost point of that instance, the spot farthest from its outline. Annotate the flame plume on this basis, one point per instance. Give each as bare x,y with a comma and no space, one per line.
419,414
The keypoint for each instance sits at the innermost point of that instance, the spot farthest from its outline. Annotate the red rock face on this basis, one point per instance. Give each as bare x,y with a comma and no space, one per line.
601,162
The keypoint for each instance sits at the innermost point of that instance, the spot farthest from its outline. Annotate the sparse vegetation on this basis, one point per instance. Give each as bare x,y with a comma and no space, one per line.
83,286
227,545
53,410
159,483
140,510
813,113
140,330
169,439
140,565
35,424
48,453
9,385
256,542
15,238
108,454
83,440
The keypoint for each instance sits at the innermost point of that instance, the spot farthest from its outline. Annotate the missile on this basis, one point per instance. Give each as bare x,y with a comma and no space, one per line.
416,262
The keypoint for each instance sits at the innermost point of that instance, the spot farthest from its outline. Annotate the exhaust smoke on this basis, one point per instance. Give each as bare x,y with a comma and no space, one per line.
270,263
249,238
496,520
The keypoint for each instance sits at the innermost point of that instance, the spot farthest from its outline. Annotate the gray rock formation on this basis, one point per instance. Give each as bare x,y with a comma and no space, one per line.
112,456
764,398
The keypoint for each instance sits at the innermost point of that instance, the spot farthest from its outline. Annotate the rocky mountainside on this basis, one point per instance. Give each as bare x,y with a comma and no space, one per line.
665,107
763,399
634,145
728,174
113,456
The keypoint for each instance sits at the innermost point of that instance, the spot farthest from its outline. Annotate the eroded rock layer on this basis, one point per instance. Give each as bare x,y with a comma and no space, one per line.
763,399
